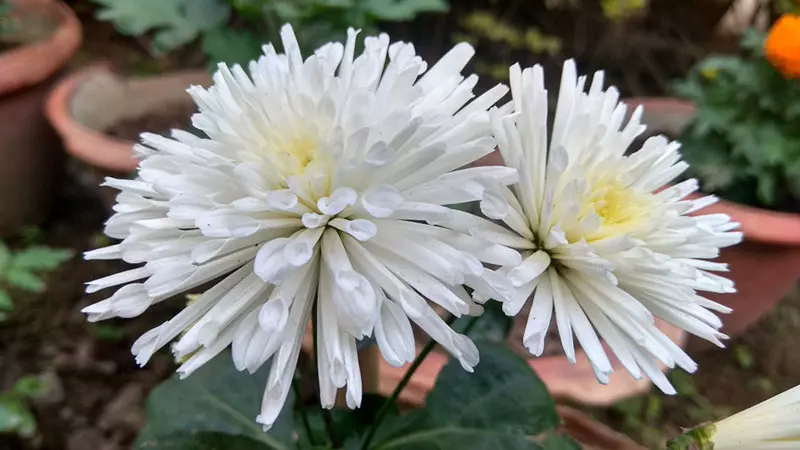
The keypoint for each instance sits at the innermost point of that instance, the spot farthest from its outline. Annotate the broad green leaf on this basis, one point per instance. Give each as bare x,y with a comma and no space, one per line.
202,441
24,280
502,405
216,399
231,46
176,22
141,16
503,393
349,423
460,437
493,325
559,442
41,258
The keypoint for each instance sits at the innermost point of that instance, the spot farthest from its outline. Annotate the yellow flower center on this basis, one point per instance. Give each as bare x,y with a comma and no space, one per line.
293,155
621,208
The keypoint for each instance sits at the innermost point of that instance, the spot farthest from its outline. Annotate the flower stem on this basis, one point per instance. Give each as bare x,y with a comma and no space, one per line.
698,438
392,400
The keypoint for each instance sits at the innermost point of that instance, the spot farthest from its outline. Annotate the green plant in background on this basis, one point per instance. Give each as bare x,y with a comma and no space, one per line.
622,9
483,25
15,416
21,269
615,10
744,141
233,31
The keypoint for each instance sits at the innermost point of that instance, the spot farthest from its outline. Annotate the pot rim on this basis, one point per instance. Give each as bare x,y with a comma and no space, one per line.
29,64
116,155
90,145
757,224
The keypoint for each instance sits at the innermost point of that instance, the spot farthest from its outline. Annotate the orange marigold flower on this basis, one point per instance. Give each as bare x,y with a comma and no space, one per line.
783,45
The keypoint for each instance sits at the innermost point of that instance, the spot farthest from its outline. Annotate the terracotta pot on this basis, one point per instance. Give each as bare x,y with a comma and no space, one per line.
48,35
87,103
766,266
591,434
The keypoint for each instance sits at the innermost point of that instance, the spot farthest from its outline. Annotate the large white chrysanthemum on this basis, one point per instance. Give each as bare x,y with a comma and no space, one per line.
605,247
320,181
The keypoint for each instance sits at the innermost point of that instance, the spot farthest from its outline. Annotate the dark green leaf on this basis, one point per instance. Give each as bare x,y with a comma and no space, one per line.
231,46
24,280
560,442
503,394
216,399
202,441
350,423
460,437
502,405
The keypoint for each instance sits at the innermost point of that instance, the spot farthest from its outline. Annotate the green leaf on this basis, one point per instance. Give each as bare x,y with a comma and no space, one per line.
502,405
15,417
217,399
176,22
560,442
399,10
202,441
493,326
41,258
24,280
28,386
231,46
349,423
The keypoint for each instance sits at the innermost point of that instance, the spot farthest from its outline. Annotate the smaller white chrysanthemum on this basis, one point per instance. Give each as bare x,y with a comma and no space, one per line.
773,424
607,244
318,182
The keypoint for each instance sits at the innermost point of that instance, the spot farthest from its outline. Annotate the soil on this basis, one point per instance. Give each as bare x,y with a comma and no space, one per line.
755,366
178,116
95,391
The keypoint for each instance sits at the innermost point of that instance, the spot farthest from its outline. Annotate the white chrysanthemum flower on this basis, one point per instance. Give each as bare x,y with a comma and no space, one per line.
771,425
321,181
604,246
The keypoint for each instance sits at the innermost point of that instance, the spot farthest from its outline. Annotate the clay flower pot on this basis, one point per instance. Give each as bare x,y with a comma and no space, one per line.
46,34
89,102
766,266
